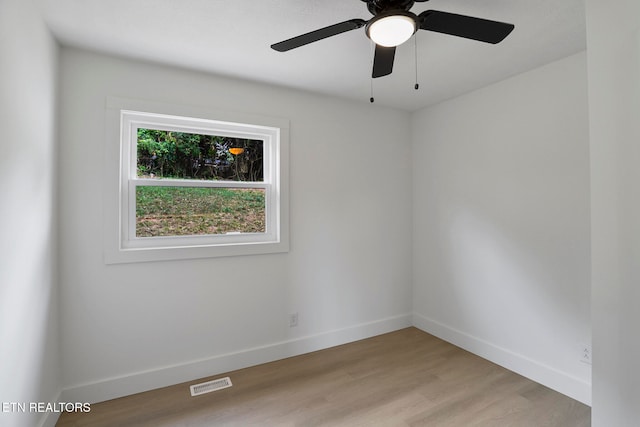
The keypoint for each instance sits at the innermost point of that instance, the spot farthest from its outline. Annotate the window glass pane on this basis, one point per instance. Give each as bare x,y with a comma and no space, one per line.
170,154
183,211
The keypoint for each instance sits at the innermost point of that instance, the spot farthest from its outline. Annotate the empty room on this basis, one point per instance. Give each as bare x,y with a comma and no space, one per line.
337,213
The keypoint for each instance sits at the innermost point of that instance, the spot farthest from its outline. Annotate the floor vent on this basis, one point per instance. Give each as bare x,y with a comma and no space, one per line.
209,386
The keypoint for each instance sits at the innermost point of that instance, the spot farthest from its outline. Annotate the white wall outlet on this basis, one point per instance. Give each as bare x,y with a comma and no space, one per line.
585,353
293,320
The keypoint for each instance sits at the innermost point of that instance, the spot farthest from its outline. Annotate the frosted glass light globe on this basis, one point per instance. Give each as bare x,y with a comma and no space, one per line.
392,30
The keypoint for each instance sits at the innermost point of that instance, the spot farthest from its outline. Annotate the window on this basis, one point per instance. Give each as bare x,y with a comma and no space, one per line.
193,187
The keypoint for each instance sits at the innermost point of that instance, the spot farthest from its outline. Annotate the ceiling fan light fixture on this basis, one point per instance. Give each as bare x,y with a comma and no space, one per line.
390,30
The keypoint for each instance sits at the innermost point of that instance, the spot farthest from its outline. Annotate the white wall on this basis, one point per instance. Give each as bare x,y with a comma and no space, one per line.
613,40
348,274
500,220
29,362
500,245
501,223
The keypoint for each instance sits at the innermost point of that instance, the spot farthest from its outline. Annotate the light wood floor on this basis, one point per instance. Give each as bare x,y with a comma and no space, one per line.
405,378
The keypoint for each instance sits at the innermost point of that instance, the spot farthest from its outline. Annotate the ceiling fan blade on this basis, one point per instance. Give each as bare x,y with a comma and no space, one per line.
320,34
465,26
383,61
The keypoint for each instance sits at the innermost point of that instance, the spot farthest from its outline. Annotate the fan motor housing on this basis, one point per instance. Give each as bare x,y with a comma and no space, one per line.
378,6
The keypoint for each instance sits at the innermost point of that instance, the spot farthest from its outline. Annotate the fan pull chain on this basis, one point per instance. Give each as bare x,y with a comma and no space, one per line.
415,43
373,47
371,99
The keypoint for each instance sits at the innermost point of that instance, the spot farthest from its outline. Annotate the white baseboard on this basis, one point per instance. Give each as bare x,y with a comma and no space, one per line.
49,419
557,380
148,380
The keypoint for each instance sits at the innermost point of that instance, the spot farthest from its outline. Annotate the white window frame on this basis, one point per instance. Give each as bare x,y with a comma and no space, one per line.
122,244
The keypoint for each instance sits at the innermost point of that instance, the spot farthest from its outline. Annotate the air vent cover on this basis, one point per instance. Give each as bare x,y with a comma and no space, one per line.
209,386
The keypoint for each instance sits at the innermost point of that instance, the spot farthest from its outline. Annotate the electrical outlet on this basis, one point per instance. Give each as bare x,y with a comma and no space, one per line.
585,354
293,320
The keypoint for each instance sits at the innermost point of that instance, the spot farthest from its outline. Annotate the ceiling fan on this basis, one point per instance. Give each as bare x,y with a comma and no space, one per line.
393,24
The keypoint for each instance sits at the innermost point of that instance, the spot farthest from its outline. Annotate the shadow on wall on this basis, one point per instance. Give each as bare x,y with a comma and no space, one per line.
504,285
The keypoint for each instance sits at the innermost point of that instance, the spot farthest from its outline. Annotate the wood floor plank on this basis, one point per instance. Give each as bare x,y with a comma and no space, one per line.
405,378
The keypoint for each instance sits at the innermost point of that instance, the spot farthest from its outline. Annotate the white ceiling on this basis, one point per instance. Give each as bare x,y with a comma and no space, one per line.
232,38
